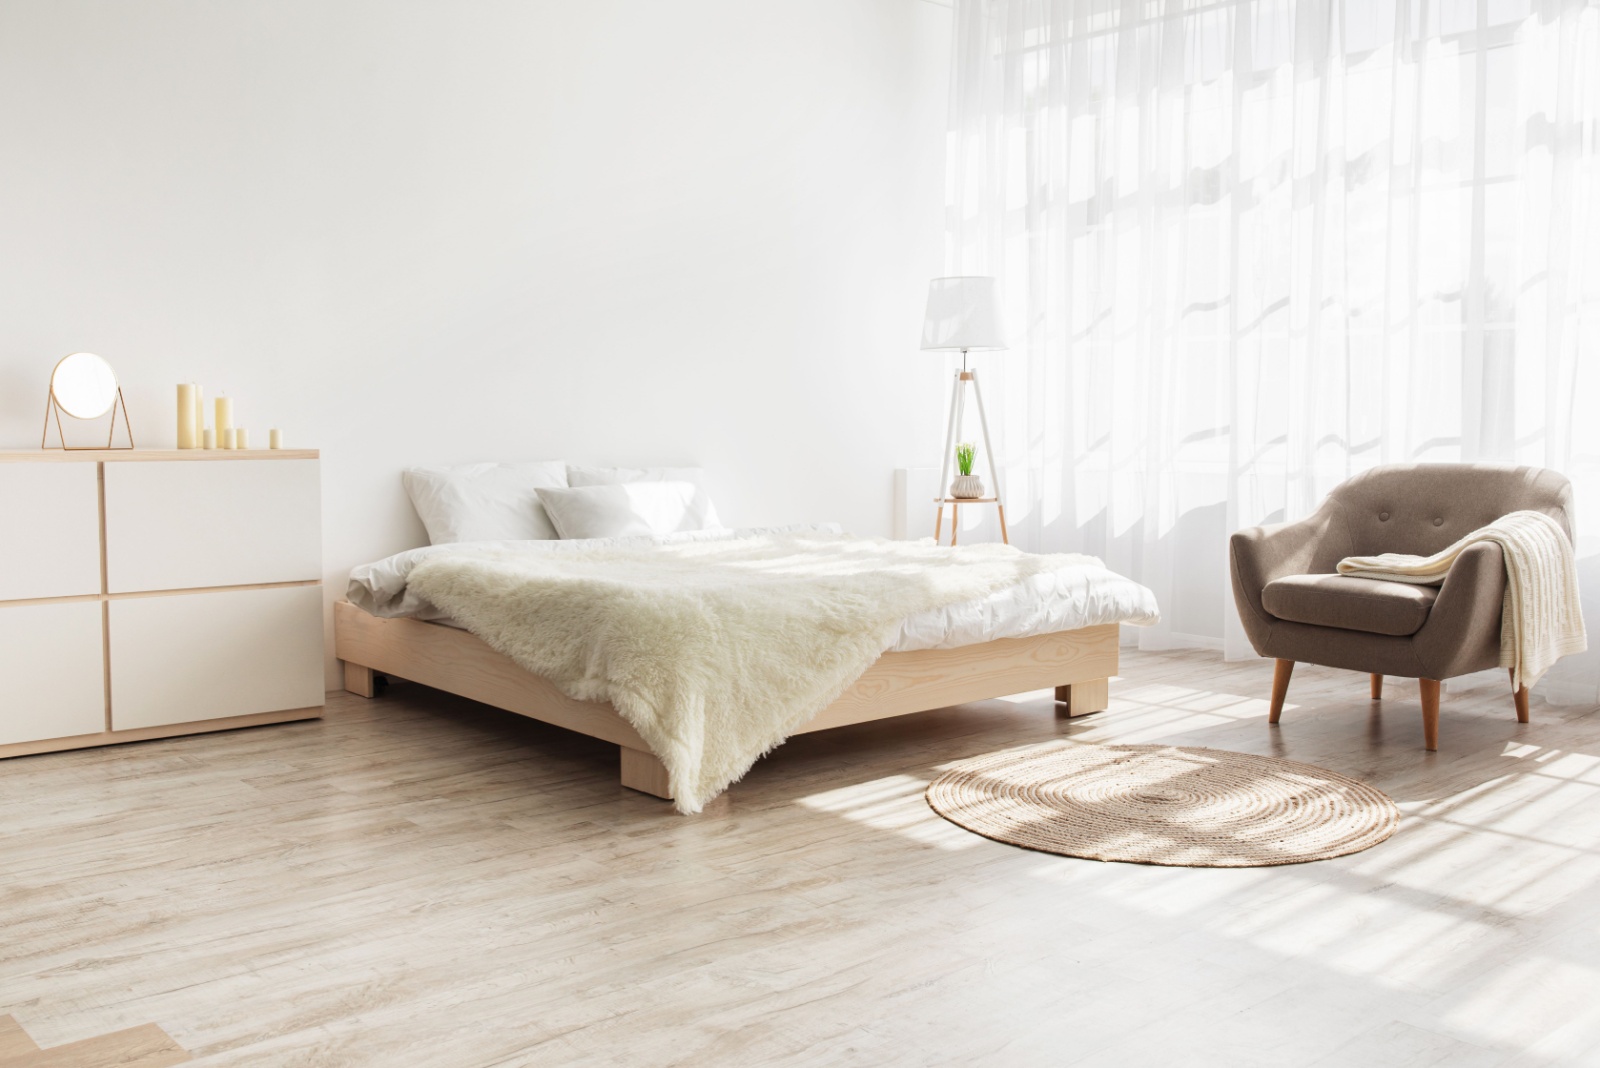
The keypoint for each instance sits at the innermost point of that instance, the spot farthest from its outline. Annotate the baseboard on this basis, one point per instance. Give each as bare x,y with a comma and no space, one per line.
1568,693
1164,641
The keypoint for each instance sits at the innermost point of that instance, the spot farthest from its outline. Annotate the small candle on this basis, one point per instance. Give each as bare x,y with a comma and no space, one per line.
210,438
241,440
185,415
224,420
227,438
274,438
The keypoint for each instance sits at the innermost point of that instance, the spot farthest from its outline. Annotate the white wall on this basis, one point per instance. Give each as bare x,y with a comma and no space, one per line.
434,232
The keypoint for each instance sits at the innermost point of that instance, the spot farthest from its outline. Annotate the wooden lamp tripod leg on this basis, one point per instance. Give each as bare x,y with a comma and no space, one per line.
952,428
994,472
958,414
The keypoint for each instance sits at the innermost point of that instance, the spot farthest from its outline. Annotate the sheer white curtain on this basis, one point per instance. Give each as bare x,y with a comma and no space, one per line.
1250,247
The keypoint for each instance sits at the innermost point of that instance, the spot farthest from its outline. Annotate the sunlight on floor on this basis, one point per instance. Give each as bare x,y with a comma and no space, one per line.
1027,698
893,804
1484,847
1047,694
1542,992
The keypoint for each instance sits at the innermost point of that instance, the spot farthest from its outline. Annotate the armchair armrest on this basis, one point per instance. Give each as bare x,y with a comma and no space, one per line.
1462,633
1258,555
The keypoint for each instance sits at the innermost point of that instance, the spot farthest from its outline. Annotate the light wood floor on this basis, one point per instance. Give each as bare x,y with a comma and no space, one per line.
134,1047
419,881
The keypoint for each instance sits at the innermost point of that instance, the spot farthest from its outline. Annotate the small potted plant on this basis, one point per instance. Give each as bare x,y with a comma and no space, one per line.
967,485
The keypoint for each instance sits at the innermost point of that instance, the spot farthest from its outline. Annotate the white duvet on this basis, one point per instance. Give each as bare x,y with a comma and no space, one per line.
1082,594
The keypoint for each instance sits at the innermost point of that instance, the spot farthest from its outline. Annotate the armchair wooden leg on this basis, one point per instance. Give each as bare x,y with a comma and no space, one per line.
1520,696
1281,671
1429,689
1377,687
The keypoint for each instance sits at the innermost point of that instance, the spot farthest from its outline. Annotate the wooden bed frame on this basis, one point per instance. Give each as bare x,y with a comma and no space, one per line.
1078,663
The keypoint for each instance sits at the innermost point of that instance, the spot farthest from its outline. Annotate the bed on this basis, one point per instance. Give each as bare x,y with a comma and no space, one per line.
1057,629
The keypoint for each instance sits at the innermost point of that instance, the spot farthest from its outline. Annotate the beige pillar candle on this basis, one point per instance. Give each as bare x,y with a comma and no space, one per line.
209,436
227,438
274,438
185,415
199,414
241,440
224,421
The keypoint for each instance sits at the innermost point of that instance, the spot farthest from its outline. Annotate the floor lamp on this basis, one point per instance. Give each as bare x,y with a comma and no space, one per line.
964,313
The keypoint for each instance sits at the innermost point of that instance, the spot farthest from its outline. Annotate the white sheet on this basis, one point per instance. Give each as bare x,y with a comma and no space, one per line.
1073,597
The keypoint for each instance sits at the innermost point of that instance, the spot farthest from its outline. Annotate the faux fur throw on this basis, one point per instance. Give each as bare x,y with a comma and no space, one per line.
1540,619
715,651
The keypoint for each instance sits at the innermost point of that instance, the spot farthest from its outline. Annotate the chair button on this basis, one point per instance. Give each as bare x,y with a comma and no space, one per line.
1383,517
1438,522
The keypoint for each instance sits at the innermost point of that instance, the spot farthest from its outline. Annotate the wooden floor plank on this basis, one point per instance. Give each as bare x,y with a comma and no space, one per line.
13,1039
146,1046
419,880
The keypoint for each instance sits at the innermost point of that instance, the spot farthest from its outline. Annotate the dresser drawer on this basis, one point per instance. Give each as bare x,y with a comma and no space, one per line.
177,525
188,657
52,670
49,530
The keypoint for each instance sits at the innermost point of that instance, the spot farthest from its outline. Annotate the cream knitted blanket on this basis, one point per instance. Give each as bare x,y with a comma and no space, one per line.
1540,620
714,651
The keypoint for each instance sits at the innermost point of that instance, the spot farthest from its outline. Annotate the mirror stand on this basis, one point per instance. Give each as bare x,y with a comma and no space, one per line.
53,409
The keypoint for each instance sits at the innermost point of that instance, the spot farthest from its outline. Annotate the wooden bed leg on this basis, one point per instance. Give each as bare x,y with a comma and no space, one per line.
1281,670
359,680
643,772
1429,689
1520,696
1082,698
1377,687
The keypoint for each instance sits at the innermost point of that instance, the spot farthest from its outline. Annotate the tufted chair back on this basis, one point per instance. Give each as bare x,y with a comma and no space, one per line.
1422,508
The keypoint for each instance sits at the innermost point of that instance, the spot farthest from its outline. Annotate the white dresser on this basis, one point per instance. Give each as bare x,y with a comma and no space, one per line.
148,593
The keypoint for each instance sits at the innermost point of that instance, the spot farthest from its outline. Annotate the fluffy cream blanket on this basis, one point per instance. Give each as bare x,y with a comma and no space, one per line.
715,651
1540,620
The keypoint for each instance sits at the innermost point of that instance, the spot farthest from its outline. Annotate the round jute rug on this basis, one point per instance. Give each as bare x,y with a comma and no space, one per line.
1156,804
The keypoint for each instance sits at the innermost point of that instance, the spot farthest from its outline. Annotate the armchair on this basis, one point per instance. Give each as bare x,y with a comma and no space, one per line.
1296,607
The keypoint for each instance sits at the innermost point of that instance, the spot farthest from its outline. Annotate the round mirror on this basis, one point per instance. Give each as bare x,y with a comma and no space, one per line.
84,385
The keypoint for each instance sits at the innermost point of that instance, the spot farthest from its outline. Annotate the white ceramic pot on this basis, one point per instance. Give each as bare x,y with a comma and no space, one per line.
966,487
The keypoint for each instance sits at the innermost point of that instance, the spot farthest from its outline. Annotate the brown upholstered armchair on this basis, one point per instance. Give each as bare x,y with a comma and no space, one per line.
1295,606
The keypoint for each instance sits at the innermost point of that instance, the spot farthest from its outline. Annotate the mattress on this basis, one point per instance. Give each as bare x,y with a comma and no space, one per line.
1085,594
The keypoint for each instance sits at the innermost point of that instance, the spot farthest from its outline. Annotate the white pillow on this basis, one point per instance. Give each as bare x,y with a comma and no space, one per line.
583,475
484,502
617,511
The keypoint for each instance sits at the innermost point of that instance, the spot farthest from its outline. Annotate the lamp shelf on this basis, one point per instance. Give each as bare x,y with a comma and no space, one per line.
955,504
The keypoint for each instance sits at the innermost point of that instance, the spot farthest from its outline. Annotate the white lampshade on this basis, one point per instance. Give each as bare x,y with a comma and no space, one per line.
963,313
